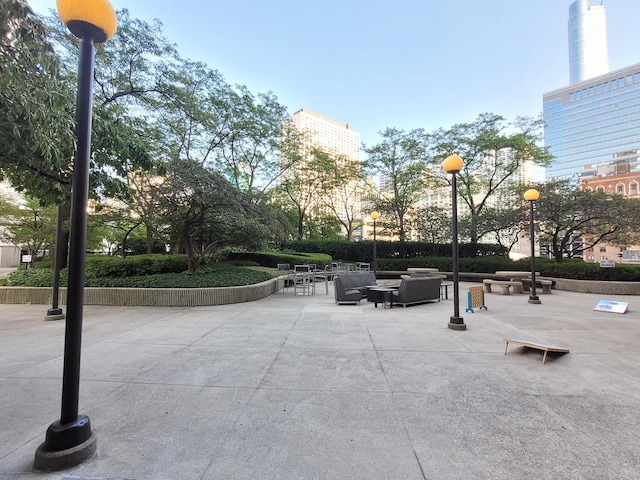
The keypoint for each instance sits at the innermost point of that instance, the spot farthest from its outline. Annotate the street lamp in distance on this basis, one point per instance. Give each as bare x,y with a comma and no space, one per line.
375,216
70,441
452,165
531,196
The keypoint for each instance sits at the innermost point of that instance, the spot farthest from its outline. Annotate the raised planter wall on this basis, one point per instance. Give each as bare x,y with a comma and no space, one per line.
157,297
602,288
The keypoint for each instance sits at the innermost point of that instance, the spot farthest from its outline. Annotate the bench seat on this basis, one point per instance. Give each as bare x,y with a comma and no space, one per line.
504,285
546,285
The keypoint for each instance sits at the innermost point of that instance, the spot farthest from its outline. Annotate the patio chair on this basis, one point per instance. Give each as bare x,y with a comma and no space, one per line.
286,269
303,280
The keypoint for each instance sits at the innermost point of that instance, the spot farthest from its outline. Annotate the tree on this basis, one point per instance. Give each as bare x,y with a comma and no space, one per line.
251,155
30,226
433,224
205,212
342,191
493,152
36,108
400,161
566,213
506,223
304,186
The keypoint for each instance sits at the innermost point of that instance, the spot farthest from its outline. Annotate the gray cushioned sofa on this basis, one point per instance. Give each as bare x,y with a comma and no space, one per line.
415,290
350,287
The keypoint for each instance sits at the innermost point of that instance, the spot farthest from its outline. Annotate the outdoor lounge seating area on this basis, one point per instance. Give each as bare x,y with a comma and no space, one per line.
417,290
350,288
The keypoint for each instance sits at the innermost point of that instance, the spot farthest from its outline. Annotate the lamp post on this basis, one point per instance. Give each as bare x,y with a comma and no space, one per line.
69,441
374,216
531,196
55,312
453,164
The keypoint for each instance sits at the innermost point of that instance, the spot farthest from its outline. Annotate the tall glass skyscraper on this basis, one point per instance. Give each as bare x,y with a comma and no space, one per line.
593,123
588,47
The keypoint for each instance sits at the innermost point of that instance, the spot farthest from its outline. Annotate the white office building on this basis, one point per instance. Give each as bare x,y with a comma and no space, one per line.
588,46
335,138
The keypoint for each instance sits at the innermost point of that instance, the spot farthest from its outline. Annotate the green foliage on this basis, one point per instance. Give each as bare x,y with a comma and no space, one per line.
363,251
138,245
580,270
31,278
507,144
571,268
218,275
271,259
487,264
137,265
225,276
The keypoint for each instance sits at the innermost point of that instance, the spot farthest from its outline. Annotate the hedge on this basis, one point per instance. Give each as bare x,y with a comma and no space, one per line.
272,259
363,251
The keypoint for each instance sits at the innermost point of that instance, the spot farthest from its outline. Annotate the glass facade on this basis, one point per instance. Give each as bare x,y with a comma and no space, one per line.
593,123
588,47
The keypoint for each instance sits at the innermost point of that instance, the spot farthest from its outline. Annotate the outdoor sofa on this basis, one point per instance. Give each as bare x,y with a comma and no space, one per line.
416,290
351,287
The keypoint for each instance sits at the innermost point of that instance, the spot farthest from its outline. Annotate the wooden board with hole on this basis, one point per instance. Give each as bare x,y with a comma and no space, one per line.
546,348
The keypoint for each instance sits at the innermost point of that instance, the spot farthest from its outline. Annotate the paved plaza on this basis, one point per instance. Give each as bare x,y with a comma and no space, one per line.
300,388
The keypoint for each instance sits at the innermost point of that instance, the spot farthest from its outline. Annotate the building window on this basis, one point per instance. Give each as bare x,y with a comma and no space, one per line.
603,249
620,189
633,189
600,189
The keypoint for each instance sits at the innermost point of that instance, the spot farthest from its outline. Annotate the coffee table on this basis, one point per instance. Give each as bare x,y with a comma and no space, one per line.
381,294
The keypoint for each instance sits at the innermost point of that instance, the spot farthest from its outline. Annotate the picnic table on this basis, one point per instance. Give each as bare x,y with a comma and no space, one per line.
423,270
514,274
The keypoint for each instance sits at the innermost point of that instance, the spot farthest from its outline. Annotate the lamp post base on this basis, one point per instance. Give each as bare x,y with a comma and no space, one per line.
58,451
534,299
54,314
456,323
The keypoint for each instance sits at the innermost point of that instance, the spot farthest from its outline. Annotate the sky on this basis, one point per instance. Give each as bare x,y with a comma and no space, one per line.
404,64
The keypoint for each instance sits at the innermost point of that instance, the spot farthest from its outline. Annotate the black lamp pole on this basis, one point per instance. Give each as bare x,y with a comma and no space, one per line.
55,312
531,196
375,216
69,441
453,164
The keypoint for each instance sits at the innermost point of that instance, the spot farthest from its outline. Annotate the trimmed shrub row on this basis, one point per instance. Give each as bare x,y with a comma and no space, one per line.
272,259
363,251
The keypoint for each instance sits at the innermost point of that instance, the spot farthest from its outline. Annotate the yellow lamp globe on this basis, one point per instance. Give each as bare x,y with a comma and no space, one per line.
374,215
531,195
452,164
94,19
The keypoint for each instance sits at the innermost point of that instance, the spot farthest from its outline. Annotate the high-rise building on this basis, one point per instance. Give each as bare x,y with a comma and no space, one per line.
338,139
330,135
588,46
593,122
596,119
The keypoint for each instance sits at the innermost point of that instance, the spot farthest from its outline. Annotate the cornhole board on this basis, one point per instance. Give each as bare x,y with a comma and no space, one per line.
612,306
546,348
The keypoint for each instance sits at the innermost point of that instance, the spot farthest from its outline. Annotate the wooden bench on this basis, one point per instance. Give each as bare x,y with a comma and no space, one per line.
544,284
546,348
503,284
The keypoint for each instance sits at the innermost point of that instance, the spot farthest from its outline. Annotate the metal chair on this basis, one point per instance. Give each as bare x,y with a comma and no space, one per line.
303,280
287,282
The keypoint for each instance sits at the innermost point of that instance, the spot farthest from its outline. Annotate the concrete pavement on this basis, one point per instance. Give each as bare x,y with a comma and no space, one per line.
300,388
